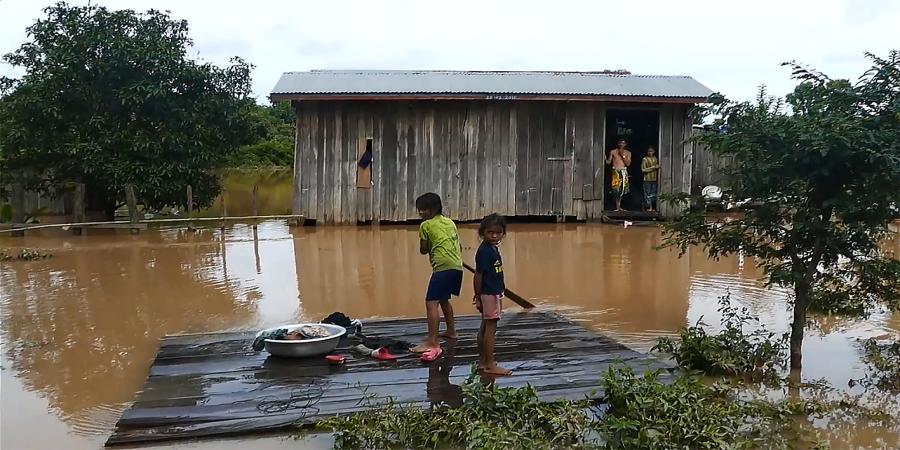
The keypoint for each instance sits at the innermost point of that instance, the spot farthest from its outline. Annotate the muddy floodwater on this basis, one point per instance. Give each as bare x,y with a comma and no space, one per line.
79,330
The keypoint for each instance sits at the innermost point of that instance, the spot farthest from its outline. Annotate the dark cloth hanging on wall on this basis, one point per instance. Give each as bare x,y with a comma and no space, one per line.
366,160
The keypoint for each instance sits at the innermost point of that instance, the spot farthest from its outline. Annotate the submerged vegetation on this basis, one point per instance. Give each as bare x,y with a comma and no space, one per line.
755,354
883,361
649,411
26,254
490,417
646,413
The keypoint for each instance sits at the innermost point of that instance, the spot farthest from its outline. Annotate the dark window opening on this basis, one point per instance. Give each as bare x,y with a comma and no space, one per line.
364,164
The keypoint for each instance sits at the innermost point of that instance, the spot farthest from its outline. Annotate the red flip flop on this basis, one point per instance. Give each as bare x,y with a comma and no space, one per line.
384,354
336,360
431,355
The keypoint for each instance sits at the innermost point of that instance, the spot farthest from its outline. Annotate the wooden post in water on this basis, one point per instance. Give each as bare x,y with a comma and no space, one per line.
18,208
190,207
255,208
222,208
131,200
78,208
256,249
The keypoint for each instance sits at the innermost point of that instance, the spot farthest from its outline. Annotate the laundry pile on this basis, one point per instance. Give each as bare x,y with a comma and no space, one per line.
381,348
282,334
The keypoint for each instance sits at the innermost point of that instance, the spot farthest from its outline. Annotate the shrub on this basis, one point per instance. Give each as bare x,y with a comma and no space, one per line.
646,413
883,361
735,351
490,417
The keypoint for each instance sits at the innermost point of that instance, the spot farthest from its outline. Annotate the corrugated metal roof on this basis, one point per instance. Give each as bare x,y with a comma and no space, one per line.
440,82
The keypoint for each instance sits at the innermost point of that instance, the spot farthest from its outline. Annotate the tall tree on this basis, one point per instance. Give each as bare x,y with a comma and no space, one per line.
111,98
821,171
276,147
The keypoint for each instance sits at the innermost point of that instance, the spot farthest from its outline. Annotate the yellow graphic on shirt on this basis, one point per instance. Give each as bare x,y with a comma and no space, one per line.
498,266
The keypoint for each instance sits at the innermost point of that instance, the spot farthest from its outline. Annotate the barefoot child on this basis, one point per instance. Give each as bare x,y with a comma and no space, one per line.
439,239
489,289
650,168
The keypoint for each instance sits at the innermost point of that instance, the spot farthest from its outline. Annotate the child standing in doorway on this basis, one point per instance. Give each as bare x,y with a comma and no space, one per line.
650,168
489,287
439,239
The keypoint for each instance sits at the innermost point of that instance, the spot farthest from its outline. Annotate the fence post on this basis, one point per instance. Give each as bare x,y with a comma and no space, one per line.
190,207
255,204
78,209
131,200
222,207
18,208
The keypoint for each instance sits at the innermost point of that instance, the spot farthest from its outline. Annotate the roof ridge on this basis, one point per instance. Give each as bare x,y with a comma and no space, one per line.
506,82
609,73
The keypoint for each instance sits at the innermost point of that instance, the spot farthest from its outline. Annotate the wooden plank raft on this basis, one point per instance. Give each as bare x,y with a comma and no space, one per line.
215,385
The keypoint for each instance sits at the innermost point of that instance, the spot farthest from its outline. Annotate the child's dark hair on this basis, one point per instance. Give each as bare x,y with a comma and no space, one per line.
493,220
651,146
430,202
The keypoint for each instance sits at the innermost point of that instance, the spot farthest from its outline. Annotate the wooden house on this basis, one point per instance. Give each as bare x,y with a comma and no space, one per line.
525,144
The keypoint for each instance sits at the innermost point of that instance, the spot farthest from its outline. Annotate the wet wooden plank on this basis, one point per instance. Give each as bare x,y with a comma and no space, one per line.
677,148
328,156
317,172
535,156
475,118
435,161
349,148
687,149
389,175
405,140
599,157
501,156
300,164
523,118
483,172
584,140
665,157
206,385
377,165
511,160
444,123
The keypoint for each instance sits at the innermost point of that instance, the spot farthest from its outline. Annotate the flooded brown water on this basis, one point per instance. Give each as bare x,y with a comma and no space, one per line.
79,330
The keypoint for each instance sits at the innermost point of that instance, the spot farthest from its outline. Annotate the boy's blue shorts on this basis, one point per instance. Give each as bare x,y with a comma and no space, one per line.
443,284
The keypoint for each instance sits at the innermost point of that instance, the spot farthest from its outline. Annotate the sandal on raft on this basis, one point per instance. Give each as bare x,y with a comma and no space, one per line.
384,354
431,354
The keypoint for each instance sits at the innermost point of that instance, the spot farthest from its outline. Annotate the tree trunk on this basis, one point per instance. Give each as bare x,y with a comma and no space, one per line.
801,304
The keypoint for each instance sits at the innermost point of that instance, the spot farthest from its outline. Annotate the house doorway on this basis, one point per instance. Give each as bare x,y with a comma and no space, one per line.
640,127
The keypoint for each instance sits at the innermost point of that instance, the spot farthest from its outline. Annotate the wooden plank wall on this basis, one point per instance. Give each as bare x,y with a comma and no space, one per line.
707,168
516,158
675,155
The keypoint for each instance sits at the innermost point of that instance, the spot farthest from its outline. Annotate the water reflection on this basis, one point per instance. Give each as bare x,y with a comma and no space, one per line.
79,330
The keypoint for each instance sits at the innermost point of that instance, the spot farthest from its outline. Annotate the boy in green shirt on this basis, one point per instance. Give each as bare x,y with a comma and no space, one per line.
439,239
650,168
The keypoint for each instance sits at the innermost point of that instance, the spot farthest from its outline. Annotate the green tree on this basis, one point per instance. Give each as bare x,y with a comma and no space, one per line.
111,98
821,170
276,147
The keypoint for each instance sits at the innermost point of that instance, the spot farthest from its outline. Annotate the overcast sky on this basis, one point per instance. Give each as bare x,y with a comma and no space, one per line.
730,46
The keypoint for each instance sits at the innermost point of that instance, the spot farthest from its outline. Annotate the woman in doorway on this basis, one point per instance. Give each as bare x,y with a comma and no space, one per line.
650,169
